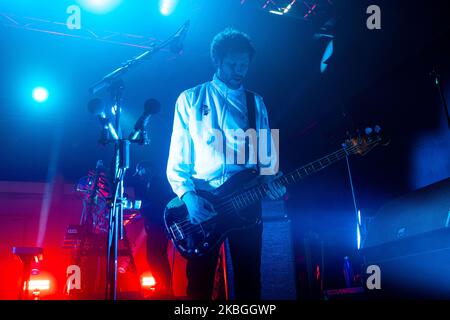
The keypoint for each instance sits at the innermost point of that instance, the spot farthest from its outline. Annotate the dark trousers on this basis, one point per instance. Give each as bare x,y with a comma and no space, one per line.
245,250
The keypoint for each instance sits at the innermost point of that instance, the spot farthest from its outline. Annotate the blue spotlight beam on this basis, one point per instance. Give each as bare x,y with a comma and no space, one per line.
167,7
355,206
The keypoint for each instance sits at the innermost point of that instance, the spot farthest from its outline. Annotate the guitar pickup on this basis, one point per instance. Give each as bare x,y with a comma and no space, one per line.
176,232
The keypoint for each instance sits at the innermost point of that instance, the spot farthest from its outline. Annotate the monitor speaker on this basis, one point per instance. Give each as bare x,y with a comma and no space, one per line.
418,212
409,240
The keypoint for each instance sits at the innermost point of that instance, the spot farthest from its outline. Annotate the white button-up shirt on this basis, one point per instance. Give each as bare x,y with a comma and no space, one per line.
204,151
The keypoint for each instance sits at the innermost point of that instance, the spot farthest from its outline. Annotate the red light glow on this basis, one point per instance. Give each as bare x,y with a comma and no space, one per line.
38,285
148,281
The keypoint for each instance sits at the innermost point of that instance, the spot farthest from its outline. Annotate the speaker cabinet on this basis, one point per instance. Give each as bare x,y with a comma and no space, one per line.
409,239
418,212
278,259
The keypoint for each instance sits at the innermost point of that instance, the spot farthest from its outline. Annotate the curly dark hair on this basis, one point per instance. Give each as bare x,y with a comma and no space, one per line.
230,40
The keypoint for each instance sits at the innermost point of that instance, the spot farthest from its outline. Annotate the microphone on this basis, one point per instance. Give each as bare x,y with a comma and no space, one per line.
176,45
151,106
97,107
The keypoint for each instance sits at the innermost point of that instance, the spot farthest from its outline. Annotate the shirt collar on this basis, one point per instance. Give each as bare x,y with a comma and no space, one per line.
223,88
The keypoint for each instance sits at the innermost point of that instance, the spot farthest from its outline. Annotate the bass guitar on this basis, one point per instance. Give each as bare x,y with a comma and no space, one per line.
241,191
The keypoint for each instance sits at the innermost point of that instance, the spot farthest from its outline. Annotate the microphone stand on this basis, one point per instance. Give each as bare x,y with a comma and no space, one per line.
121,160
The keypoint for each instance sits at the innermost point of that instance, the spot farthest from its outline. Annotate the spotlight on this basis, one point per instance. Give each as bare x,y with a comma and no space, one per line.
148,285
326,57
289,7
148,282
167,7
280,13
358,231
279,10
40,94
99,6
39,288
38,285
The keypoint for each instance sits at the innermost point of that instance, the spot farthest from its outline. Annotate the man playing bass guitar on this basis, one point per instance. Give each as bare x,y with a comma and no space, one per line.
205,152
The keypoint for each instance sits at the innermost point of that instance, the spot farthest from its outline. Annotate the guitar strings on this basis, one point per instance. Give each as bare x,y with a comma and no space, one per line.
229,203
229,207
225,204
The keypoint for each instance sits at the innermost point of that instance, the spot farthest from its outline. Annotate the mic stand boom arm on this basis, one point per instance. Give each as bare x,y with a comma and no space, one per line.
109,79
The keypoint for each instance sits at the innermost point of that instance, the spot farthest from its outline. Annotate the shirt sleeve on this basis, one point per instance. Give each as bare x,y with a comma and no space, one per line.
180,164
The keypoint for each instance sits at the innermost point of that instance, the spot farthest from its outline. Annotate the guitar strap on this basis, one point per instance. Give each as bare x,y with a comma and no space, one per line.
251,106
251,112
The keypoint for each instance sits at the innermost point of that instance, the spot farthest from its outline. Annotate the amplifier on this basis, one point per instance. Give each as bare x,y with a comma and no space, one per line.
409,240
277,259
418,212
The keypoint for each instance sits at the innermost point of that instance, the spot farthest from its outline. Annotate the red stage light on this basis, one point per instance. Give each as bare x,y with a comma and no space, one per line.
38,285
148,281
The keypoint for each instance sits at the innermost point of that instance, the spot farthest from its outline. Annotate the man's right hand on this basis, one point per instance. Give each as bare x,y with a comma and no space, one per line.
199,208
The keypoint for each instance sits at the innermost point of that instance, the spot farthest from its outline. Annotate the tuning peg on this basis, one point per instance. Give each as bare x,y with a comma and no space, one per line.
359,135
348,138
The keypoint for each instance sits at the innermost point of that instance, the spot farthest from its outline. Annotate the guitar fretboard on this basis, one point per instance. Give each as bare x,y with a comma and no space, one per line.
259,192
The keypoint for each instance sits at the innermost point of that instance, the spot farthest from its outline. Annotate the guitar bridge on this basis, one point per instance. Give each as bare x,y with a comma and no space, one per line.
176,232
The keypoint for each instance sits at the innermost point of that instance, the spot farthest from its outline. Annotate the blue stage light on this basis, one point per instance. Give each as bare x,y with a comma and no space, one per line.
280,13
358,231
326,56
99,6
167,7
40,94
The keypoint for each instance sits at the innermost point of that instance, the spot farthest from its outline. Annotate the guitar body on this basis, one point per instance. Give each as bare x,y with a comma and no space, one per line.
196,240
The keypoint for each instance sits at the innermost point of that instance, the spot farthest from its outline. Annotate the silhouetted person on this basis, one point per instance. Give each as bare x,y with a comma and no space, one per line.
152,188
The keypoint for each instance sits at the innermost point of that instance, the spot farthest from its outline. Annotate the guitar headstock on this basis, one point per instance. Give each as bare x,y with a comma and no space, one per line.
363,143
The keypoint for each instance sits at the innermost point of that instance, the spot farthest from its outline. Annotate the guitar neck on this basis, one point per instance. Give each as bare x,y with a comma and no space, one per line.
259,192
312,167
